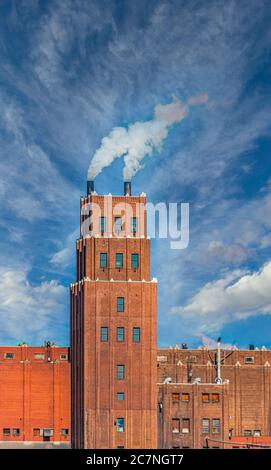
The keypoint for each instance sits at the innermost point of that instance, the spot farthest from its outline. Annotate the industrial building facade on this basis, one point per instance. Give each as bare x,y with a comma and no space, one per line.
113,327
113,388
35,397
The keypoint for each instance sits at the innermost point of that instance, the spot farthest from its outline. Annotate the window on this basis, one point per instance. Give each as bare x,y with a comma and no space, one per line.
175,425
6,431
135,260
64,432
185,396
175,396
215,397
120,396
257,433
136,335
247,432
120,371
120,447
9,355
118,225
249,360
120,334
104,334
102,224
205,425
39,357
120,304
185,425
205,397
134,224
36,432
175,447
216,426
63,357
103,260
16,431
119,260
120,424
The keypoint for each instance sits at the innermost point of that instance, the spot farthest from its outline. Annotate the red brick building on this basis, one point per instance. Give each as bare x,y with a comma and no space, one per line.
34,394
113,327
125,393
193,407
35,397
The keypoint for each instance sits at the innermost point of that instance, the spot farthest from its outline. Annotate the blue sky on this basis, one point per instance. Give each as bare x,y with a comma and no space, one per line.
70,72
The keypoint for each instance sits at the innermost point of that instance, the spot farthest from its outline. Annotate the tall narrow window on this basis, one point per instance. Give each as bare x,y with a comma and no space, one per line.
103,260
120,334
185,425
120,424
6,431
119,260
175,425
16,431
136,334
205,425
134,227
118,225
135,260
216,426
102,224
104,334
120,304
120,371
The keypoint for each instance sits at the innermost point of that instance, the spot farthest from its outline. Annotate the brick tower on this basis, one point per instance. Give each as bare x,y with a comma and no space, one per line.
113,326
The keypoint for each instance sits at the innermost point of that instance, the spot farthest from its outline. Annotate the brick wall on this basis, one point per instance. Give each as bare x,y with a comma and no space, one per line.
34,394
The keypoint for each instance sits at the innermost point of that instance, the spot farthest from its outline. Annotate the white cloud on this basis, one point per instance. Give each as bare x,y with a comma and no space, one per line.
29,310
65,255
236,296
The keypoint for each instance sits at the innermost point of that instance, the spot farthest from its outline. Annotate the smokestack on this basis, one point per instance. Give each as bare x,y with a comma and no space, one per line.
90,187
127,188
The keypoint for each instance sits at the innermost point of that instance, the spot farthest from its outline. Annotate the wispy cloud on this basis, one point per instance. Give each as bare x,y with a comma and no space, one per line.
30,311
237,296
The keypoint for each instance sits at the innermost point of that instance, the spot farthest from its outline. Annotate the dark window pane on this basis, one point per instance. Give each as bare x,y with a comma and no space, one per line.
102,224
120,371
120,304
134,224
120,396
103,260
135,260
119,260
120,424
117,227
136,335
104,333
9,355
120,334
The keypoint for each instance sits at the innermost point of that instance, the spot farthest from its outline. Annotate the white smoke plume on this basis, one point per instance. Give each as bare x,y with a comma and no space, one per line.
141,138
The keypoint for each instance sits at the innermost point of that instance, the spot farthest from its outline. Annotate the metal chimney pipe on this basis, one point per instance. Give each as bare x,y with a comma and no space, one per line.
127,188
90,187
